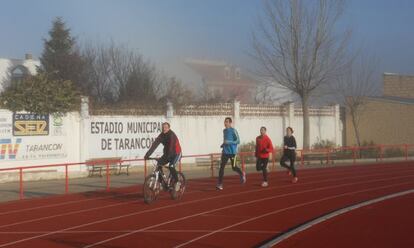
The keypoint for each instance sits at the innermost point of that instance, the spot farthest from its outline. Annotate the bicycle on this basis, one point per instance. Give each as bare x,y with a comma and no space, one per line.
157,181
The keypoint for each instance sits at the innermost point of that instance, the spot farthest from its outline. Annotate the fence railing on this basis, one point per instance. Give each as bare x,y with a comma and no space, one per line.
205,110
314,111
262,110
351,155
140,110
378,153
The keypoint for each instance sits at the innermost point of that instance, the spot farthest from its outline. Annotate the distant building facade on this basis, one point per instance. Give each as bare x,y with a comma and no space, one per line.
399,85
388,119
16,69
223,80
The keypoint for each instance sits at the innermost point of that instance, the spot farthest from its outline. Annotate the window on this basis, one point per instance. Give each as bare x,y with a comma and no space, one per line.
238,73
18,73
227,72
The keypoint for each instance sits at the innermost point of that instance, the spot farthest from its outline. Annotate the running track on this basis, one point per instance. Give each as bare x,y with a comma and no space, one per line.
239,216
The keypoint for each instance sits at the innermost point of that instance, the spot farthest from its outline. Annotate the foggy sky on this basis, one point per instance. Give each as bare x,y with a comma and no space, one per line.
166,32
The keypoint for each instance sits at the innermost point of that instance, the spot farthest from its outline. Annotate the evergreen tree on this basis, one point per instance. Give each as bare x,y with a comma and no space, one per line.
61,59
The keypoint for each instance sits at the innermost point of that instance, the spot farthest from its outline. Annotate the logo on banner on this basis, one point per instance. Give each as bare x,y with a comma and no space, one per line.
30,125
57,129
57,121
9,148
5,125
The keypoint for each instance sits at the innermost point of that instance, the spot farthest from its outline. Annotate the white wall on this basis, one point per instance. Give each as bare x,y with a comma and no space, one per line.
249,128
100,142
321,128
199,134
80,139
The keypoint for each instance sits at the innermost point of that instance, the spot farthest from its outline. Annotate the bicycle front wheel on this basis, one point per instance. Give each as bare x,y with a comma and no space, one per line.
178,189
151,189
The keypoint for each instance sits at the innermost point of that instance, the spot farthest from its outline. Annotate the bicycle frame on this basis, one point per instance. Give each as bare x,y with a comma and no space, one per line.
160,175
158,179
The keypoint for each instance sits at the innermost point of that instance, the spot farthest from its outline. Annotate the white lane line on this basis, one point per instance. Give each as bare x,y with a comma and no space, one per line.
179,204
194,201
65,203
332,171
147,231
227,207
285,209
324,218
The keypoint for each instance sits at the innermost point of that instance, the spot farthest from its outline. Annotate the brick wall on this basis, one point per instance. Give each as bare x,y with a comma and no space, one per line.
399,85
384,123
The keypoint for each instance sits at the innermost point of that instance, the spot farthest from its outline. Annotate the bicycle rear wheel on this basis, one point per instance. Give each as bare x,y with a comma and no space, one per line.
178,189
151,189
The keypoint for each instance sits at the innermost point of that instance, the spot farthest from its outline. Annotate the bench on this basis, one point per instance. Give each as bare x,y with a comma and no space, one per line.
337,154
319,156
359,154
206,161
96,165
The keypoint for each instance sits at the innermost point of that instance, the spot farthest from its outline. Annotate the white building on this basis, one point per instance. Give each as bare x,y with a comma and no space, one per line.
15,69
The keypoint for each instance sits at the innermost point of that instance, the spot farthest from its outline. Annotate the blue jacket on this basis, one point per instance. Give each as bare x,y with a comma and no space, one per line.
230,141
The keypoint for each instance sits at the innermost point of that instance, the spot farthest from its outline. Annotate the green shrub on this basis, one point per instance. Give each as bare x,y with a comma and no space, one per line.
41,95
343,154
394,152
371,152
321,144
248,147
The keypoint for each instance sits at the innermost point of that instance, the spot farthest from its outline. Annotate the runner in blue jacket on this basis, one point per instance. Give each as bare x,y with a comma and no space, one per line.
230,141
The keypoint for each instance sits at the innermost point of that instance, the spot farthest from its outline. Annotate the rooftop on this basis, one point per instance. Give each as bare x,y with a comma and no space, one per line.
392,99
219,71
7,64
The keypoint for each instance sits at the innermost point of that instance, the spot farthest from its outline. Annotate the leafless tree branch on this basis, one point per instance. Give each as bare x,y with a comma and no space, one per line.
297,45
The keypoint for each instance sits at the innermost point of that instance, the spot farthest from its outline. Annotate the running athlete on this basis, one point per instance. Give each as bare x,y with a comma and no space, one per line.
230,142
289,153
264,146
171,152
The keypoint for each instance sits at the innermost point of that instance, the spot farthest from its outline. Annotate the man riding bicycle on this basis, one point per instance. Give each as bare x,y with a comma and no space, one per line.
172,150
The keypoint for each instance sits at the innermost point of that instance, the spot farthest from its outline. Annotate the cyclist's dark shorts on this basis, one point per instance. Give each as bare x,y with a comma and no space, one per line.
172,161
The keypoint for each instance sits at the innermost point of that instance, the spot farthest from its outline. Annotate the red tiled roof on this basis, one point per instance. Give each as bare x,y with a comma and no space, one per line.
215,74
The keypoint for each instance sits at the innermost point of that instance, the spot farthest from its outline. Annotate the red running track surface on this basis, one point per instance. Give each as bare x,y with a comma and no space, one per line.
239,216
384,224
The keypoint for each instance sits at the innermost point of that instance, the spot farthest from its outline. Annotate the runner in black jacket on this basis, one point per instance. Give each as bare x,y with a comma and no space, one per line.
289,153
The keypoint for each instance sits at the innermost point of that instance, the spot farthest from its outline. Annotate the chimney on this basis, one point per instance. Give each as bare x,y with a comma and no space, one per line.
238,73
28,56
227,72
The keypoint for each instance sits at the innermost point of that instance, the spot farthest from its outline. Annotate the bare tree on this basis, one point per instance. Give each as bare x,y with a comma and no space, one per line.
210,96
354,86
176,92
264,94
269,93
99,73
122,61
297,45
141,84
118,74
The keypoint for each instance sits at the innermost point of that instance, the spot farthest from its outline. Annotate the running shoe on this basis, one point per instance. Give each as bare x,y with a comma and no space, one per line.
243,178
